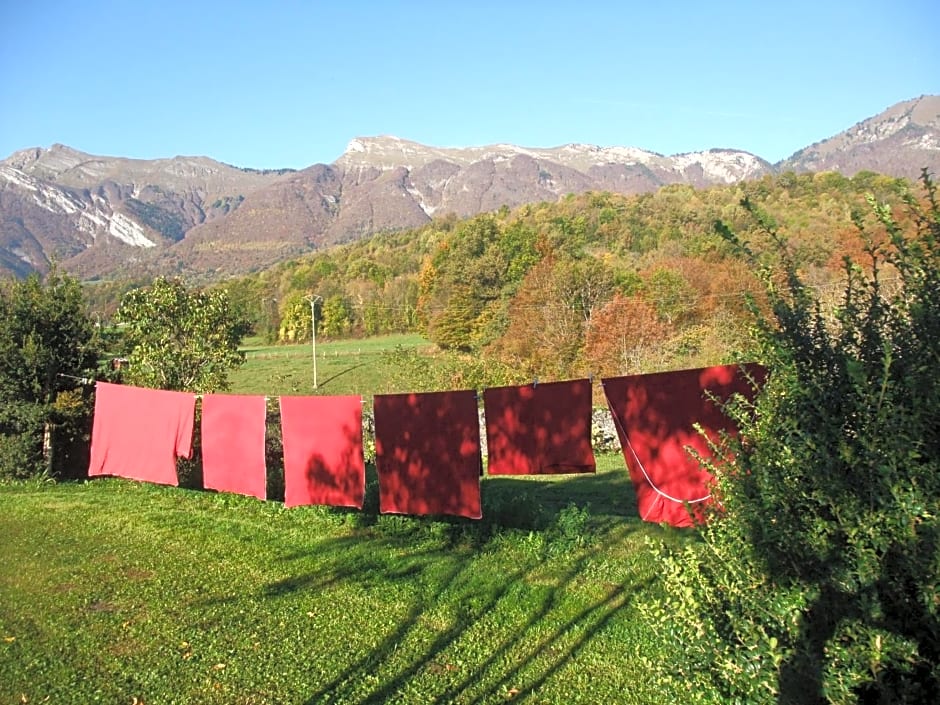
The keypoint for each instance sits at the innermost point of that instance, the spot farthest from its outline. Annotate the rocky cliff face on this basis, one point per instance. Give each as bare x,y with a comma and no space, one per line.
102,216
898,142
95,215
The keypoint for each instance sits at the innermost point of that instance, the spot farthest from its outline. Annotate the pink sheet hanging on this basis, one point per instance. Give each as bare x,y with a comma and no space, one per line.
656,416
427,449
233,429
138,433
539,429
323,461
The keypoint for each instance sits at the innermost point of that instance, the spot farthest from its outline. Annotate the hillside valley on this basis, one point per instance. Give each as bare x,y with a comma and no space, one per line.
110,217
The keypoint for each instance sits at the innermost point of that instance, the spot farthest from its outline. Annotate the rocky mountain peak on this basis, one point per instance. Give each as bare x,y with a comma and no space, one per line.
898,141
389,152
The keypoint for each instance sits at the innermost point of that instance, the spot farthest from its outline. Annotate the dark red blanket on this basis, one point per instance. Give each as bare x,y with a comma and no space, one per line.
427,450
539,429
656,416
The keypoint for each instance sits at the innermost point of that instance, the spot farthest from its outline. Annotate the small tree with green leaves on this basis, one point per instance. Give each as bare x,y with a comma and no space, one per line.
180,338
818,576
46,341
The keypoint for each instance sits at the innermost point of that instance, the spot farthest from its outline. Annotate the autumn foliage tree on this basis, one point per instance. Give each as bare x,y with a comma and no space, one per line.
545,327
622,334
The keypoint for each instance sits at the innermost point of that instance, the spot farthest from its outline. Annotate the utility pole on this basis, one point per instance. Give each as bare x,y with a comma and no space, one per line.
313,298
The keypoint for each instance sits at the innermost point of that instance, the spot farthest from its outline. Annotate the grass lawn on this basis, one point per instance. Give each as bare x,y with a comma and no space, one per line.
343,366
118,592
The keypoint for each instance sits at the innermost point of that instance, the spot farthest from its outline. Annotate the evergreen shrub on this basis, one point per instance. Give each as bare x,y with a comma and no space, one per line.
816,579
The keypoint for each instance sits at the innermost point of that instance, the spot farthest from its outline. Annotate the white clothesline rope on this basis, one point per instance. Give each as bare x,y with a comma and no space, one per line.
649,480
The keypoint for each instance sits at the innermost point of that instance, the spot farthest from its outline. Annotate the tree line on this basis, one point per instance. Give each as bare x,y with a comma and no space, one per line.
597,283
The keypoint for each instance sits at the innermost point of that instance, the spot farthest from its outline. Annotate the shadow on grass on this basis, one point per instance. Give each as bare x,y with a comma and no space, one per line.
528,615
340,374
525,642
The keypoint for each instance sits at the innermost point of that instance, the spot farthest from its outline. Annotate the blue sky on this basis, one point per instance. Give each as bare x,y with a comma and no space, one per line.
288,84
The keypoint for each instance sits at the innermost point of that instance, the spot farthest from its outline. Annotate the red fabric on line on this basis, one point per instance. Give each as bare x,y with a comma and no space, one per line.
656,416
138,433
323,461
427,453
233,429
539,429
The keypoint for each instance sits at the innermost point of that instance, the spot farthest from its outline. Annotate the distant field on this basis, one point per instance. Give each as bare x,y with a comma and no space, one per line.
114,591
343,367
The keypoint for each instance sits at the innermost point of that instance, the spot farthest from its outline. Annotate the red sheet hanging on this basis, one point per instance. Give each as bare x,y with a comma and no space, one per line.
656,416
427,449
323,461
138,433
233,429
539,429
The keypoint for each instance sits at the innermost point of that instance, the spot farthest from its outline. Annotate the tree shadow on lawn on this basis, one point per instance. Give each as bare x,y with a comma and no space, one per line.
607,494
515,630
531,503
523,617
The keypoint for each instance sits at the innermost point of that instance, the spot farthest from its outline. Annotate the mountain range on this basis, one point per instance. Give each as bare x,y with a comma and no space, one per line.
102,217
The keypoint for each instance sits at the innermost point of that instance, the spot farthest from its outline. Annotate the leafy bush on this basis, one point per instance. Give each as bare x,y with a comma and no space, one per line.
21,433
570,530
71,415
180,338
817,577
46,343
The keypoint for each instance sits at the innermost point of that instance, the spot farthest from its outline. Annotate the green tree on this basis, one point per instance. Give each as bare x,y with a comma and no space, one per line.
336,317
44,334
295,318
180,338
671,294
817,578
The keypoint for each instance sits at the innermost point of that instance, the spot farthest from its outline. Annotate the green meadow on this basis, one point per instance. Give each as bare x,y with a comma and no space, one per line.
357,366
114,591
119,592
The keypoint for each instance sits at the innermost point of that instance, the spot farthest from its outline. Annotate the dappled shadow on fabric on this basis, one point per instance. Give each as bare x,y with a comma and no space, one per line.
659,417
539,429
427,449
323,459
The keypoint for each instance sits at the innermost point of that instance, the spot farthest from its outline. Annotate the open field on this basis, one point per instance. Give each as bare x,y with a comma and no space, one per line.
118,592
343,366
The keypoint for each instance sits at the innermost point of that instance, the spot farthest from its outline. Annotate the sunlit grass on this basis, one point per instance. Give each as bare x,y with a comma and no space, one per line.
112,590
343,366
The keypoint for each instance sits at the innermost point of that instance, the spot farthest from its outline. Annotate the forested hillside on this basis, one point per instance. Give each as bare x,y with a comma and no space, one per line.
597,283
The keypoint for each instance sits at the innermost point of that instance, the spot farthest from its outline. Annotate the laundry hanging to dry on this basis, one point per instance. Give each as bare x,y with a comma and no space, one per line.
427,453
656,417
323,461
139,433
539,429
233,430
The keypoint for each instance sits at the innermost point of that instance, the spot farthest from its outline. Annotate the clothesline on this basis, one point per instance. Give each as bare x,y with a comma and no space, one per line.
427,445
87,381
81,380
